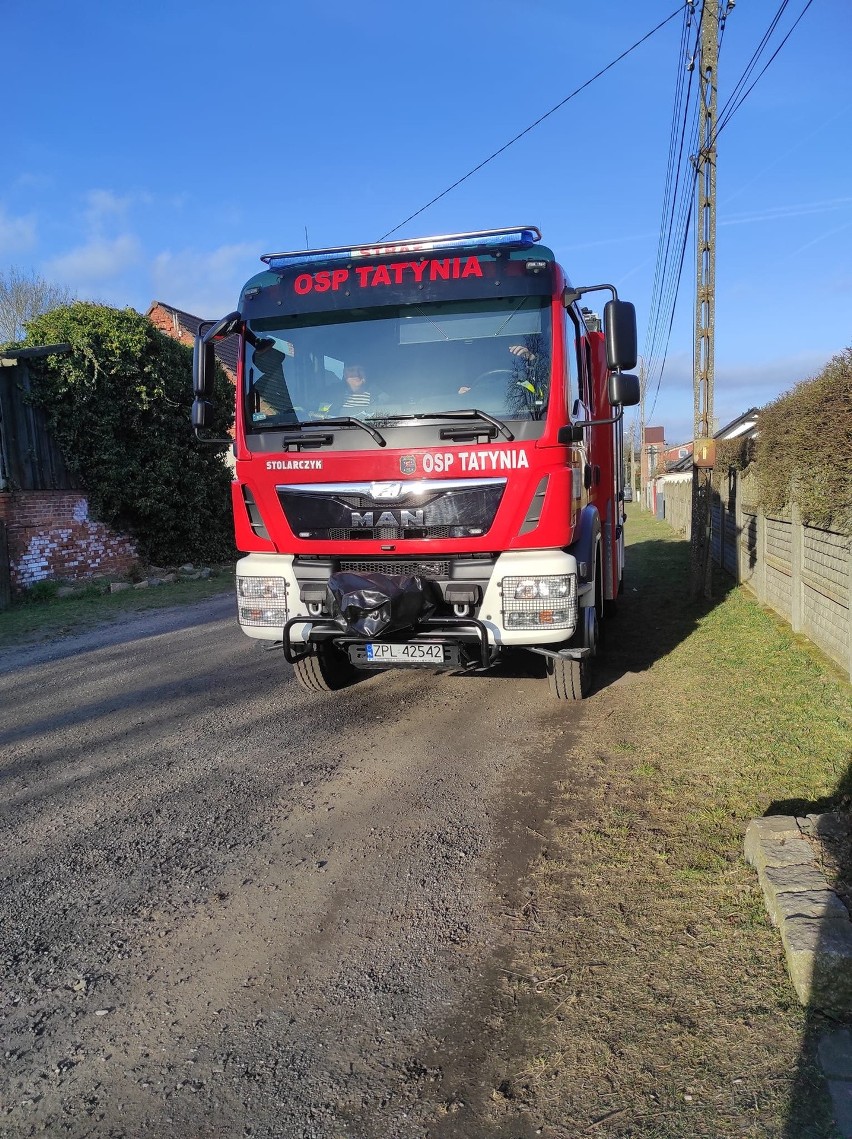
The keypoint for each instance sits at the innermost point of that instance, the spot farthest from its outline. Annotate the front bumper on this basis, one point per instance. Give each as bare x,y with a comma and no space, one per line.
278,612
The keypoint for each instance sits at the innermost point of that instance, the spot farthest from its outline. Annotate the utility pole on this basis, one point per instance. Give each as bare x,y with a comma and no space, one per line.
643,383
632,475
703,457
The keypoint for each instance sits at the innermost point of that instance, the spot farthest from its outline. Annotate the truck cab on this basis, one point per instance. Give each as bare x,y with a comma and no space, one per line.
428,456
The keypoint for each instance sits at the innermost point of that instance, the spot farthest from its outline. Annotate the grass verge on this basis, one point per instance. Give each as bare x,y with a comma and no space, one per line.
653,984
33,622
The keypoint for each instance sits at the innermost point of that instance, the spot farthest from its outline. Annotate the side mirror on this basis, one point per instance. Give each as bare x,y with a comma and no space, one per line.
203,367
202,418
620,332
570,433
623,389
202,413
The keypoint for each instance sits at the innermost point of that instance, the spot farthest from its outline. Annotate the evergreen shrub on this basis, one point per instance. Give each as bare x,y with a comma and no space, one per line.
119,406
803,450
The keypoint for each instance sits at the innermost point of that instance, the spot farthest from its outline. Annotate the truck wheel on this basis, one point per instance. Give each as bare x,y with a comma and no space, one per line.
569,679
326,669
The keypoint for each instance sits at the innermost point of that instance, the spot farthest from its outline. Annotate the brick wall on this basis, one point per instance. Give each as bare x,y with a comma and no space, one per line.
167,322
50,535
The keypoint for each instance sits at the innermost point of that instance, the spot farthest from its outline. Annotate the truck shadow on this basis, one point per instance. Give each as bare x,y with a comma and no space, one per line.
652,616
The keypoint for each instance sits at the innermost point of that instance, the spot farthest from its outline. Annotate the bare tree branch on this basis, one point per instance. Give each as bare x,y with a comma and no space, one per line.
23,297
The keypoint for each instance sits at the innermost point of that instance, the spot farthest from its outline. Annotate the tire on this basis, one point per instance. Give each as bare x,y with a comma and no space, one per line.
325,669
569,679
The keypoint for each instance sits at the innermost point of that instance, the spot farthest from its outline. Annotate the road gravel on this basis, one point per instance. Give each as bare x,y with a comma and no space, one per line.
233,908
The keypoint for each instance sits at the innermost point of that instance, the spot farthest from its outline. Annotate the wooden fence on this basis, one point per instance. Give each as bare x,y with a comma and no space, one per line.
29,458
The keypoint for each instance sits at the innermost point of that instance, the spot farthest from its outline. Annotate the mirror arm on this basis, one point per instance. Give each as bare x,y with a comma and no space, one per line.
600,422
218,439
573,294
212,329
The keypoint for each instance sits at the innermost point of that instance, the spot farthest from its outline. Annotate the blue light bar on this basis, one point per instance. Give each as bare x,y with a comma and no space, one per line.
523,237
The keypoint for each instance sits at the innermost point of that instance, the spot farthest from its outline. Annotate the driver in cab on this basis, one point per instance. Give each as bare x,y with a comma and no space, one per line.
518,350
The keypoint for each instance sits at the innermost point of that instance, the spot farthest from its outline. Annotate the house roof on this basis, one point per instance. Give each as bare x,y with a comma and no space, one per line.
745,424
186,322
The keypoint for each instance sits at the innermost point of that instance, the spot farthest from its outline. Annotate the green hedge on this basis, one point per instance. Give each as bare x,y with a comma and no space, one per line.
803,449
119,407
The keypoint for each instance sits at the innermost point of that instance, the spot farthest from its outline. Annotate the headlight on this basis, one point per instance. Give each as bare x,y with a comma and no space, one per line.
530,588
262,588
540,602
262,601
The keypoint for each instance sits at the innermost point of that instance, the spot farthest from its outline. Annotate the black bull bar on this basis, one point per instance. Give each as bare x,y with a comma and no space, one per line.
447,630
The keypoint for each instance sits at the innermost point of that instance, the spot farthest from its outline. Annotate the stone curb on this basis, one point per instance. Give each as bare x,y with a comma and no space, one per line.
816,932
185,573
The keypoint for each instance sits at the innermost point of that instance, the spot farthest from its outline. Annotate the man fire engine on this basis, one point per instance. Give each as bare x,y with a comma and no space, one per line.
428,448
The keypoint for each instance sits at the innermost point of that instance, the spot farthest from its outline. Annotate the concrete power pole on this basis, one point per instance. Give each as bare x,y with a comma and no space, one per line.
643,382
705,301
632,467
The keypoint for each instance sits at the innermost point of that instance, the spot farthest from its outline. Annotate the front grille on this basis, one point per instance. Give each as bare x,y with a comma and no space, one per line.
386,533
342,512
394,567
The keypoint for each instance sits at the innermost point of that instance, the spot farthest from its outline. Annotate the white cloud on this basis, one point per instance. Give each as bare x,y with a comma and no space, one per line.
28,182
98,260
204,284
17,234
101,204
736,388
777,213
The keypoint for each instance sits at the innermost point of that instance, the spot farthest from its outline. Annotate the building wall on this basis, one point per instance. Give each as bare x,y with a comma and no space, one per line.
49,535
167,322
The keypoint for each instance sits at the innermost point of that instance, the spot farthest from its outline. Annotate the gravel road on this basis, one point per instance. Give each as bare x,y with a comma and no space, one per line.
232,908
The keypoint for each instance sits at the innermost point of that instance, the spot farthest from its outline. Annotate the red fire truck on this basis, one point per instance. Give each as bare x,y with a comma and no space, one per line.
428,448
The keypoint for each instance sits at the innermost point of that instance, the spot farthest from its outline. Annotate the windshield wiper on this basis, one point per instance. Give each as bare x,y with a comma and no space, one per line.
462,413
347,421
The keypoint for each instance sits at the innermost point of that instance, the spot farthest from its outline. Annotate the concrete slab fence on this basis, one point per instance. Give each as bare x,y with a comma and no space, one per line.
801,572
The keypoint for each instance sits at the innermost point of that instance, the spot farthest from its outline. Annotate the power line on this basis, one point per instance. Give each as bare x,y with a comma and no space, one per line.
752,63
676,213
671,164
674,232
677,279
532,126
728,111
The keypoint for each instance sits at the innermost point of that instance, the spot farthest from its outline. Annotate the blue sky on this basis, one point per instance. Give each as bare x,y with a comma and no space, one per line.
153,151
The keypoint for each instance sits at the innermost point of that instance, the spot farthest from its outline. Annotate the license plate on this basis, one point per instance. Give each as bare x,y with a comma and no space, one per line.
411,653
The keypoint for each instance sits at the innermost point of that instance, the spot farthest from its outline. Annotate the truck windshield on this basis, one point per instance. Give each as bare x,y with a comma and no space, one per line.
386,363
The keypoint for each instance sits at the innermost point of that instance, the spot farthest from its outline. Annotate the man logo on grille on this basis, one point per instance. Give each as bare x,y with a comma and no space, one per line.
400,519
386,489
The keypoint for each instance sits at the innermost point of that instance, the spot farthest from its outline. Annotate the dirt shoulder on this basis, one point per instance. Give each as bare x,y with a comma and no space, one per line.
652,985
429,907
28,626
